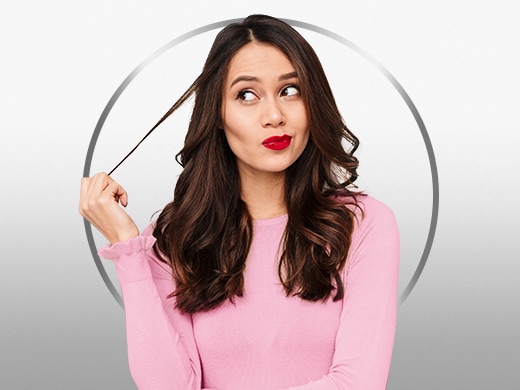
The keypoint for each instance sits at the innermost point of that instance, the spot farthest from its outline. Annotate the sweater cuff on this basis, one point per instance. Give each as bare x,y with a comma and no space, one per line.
130,258
125,248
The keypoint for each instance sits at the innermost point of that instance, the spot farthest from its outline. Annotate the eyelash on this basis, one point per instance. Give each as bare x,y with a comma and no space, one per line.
241,94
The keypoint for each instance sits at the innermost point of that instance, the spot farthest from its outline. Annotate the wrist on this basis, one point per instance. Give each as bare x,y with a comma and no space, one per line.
123,236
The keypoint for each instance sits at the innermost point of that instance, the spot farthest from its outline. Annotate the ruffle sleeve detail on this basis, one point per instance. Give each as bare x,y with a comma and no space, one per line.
132,258
125,248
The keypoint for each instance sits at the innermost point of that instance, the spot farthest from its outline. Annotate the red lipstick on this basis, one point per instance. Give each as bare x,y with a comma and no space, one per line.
277,142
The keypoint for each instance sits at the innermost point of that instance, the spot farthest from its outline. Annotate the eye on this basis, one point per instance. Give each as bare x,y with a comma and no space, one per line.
246,96
291,90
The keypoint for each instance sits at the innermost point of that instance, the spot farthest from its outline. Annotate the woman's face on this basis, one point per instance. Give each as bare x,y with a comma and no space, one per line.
263,114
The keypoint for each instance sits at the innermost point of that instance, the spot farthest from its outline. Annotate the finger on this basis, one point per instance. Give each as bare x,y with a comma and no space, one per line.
91,188
118,193
85,182
123,198
99,182
122,195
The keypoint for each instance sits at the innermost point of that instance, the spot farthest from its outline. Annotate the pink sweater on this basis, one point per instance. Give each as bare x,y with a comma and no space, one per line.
266,340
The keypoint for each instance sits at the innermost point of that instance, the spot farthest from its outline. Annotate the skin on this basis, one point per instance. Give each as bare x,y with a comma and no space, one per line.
99,202
260,99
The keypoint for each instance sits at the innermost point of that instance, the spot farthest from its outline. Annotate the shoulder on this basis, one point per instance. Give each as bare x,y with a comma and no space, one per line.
375,223
367,210
374,249
375,241
375,216
372,210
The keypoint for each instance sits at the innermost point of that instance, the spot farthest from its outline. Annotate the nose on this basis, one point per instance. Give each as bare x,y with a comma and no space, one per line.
272,114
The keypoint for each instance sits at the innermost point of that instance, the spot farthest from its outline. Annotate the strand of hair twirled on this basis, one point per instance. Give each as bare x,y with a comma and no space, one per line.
177,104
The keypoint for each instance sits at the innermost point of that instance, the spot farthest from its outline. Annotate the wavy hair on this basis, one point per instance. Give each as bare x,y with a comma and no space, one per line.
205,233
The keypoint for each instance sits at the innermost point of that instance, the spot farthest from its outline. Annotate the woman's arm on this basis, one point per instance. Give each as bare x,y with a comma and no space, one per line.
161,348
365,337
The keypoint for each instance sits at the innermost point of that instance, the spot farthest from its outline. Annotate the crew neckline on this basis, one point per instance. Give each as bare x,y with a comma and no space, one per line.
271,221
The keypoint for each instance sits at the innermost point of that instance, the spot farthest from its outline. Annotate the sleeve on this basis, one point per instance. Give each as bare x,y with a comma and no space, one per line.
365,337
162,353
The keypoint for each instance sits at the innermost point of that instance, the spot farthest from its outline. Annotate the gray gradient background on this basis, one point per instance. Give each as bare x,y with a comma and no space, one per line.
459,329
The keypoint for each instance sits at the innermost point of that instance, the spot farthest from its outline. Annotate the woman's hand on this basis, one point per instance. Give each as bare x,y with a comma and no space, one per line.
99,204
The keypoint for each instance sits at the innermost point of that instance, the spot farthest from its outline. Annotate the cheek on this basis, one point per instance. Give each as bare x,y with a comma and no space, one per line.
229,122
304,142
236,140
232,134
236,127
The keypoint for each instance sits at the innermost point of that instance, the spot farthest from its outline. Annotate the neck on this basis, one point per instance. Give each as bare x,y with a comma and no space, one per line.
264,194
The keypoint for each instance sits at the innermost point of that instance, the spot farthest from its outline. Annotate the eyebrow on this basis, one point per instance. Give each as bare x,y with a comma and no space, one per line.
283,77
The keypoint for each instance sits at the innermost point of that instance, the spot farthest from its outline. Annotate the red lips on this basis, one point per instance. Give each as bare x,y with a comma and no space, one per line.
277,142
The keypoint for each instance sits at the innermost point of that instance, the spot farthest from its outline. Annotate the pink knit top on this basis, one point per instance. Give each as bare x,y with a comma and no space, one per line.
266,340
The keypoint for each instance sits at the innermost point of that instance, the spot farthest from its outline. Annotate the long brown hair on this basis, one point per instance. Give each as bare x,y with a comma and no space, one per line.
206,231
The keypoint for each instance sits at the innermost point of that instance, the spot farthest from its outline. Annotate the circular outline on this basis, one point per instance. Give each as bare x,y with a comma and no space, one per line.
295,23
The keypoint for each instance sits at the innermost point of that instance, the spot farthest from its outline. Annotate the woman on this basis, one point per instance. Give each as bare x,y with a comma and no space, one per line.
265,271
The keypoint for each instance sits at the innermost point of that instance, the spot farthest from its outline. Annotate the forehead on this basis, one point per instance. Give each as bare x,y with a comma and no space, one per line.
256,59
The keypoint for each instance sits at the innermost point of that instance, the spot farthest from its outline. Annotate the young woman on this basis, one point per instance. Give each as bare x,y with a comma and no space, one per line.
265,271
